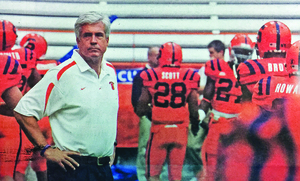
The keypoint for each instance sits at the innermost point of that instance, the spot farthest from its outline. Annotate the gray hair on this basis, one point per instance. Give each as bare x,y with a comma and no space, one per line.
90,18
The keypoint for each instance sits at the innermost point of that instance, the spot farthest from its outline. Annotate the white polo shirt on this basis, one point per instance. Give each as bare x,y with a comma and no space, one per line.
82,108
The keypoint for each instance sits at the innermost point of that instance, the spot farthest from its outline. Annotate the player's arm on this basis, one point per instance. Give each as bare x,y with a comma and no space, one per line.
142,107
34,78
246,94
205,104
11,97
6,111
137,84
192,101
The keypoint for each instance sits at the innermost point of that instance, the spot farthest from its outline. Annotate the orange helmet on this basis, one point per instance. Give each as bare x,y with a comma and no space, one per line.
36,43
170,54
292,58
274,36
8,35
240,48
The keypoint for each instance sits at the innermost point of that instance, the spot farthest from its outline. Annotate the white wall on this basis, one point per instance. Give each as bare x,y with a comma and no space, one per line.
191,23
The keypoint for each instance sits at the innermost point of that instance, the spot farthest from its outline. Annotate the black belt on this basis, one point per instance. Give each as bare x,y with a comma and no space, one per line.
91,160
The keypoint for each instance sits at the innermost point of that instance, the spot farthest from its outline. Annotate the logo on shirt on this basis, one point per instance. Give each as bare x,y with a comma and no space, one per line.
112,85
82,88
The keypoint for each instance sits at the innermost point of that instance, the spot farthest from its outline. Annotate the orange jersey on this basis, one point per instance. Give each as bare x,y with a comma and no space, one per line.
27,59
228,92
274,87
10,73
169,88
251,71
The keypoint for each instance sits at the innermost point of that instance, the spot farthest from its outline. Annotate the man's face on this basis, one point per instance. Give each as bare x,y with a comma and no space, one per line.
152,57
92,42
214,54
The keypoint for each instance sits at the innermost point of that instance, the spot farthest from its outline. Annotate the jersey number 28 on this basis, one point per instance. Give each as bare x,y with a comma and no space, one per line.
174,94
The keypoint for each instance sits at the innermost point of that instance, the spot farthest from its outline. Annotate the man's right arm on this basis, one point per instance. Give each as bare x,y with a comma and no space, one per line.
205,104
136,89
33,132
31,128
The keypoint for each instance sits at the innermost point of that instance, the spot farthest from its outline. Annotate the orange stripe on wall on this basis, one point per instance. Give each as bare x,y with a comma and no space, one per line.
140,32
128,65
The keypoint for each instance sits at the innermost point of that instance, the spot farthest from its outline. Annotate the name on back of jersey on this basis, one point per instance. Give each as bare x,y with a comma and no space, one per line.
14,55
276,67
170,75
287,88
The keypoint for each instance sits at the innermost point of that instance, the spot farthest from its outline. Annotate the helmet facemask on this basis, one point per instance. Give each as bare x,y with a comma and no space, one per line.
239,55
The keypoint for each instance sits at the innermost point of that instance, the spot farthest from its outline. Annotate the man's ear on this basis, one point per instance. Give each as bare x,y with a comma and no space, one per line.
107,40
223,52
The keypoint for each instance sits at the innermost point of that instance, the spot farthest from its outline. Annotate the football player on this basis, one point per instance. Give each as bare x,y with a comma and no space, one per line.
10,79
25,56
38,45
270,94
168,88
273,40
223,93
30,76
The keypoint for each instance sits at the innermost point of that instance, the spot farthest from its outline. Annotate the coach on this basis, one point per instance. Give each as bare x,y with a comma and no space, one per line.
80,96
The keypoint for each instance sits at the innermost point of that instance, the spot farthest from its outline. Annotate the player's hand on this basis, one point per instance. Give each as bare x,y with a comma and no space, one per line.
195,129
202,122
204,125
61,157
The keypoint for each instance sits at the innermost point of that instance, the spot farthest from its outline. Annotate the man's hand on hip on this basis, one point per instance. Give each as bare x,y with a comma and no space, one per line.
61,157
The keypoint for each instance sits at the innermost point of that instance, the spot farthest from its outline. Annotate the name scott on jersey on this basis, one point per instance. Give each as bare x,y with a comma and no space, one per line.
170,75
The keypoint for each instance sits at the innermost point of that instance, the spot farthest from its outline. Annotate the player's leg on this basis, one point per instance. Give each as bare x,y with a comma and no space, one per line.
156,154
177,152
144,132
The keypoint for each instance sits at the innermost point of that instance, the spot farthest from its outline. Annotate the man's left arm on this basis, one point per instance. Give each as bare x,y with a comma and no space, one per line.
142,107
193,110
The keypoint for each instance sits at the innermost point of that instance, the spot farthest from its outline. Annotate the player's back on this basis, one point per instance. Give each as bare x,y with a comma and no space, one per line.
275,87
24,56
10,72
169,88
251,71
27,60
227,93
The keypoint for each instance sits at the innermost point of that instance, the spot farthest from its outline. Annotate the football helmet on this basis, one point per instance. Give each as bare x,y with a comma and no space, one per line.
36,43
274,36
240,48
170,54
8,35
293,59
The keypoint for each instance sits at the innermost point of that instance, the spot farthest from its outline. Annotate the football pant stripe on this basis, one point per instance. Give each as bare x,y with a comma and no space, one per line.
148,155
